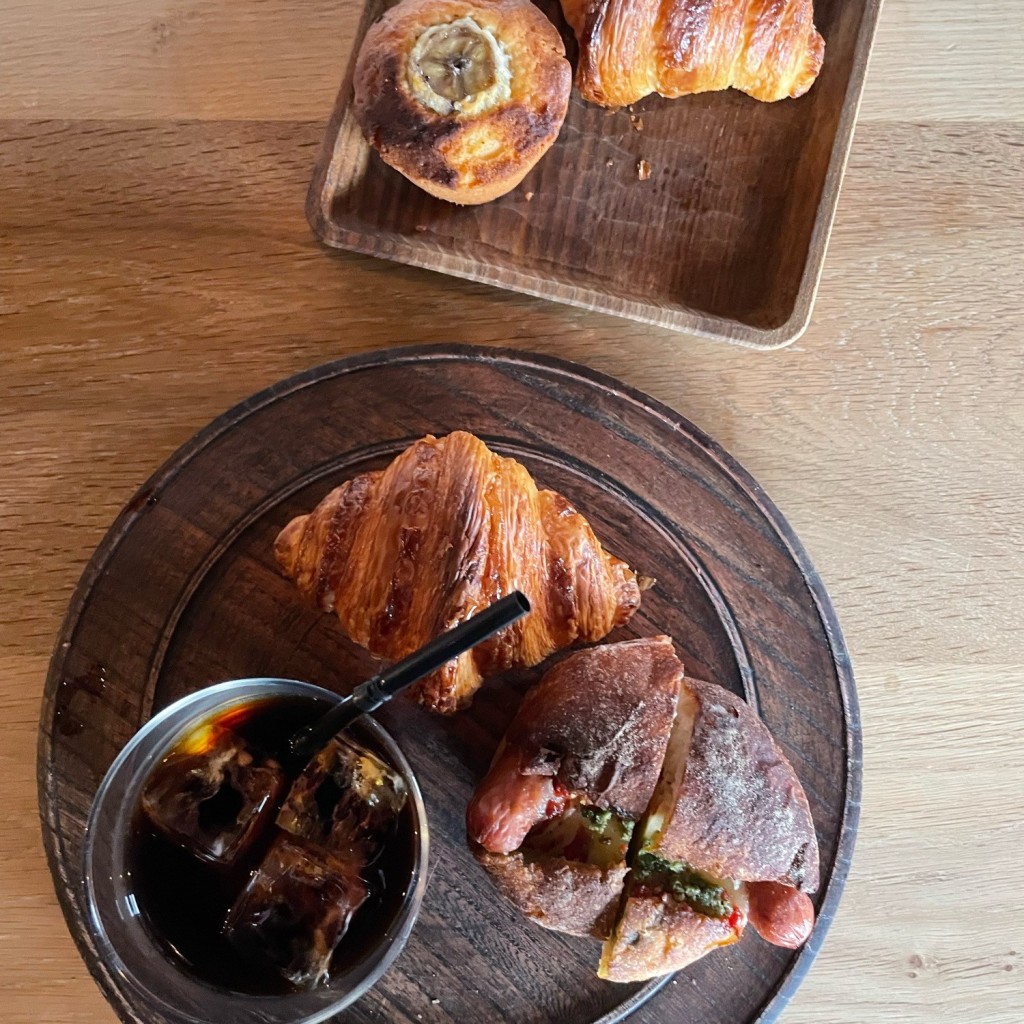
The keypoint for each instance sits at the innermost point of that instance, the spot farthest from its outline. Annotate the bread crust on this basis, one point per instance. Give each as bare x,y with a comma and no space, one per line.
599,721
566,896
741,812
656,934
465,159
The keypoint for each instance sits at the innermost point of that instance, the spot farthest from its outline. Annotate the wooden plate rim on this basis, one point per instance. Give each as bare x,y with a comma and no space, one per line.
420,354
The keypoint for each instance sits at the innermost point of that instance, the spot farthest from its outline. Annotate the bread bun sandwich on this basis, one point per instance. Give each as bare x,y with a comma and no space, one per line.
654,811
553,819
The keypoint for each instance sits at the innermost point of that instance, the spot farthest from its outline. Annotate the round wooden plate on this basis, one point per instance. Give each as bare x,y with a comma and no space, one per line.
184,592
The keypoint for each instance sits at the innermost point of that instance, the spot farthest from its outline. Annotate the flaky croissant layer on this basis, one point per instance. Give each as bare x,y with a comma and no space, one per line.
769,49
403,554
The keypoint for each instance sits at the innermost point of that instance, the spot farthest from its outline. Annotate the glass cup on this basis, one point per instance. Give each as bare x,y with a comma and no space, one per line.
147,979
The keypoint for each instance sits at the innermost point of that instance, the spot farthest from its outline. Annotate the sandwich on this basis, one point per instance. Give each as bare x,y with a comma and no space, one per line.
728,839
553,819
688,824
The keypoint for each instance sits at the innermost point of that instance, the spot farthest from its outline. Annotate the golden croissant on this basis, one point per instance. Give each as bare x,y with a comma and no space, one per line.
447,528
769,49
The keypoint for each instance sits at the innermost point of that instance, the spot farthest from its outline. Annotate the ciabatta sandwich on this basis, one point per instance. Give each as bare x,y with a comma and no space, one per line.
633,804
728,839
553,819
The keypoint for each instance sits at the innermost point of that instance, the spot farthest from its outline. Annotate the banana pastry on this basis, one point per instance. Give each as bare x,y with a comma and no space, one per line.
463,97
769,49
405,553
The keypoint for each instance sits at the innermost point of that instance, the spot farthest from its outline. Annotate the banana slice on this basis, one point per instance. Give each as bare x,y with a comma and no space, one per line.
459,68
463,97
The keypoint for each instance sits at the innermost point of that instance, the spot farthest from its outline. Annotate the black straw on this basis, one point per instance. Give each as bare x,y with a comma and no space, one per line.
381,688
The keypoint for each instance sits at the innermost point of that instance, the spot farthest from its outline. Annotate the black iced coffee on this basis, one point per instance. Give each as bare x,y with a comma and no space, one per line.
262,874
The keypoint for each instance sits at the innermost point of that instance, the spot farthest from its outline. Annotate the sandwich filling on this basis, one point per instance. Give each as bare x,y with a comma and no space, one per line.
673,770
582,833
654,874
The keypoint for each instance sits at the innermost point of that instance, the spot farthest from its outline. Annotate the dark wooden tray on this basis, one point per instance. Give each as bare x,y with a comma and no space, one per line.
725,240
184,592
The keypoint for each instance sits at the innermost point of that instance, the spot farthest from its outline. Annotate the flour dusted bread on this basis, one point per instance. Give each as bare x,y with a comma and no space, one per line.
405,553
553,819
631,803
631,48
739,810
463,97
571,896
728,839
599,722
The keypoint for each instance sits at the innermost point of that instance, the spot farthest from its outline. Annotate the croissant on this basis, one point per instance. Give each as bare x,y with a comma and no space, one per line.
769,49
447,528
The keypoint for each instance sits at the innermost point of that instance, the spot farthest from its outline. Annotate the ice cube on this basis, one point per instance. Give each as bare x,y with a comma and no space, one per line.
347,801
295,910
210,796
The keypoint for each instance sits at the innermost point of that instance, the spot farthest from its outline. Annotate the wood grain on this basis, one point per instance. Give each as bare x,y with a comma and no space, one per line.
183,59
154,271
725,239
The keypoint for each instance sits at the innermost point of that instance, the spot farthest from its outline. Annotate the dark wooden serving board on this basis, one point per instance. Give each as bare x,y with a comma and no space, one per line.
184,592
725,240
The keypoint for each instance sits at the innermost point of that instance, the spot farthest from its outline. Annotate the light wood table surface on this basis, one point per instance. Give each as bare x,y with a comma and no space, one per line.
156,267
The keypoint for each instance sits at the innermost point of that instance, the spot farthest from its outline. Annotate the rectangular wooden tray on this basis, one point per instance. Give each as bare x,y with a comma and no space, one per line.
725,240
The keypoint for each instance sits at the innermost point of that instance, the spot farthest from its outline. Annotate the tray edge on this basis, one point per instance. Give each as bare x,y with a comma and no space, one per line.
687,321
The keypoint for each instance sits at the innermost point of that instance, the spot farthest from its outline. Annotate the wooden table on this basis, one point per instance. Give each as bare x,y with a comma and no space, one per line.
155,268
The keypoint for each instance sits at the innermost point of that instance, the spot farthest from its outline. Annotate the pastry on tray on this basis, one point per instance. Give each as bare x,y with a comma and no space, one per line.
723,834
405,553
463,97
631,48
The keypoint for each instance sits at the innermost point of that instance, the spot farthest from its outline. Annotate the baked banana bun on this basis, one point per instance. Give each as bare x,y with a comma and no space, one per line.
462,97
